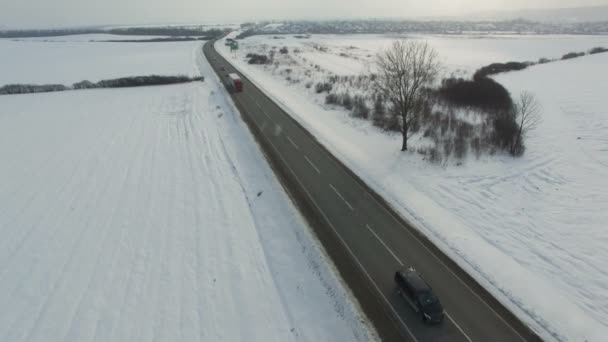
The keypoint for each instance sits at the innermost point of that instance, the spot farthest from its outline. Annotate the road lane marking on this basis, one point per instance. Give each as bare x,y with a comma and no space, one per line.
444,265
384,244
312,164
393,310
458,326
293,143
257,104
352,254
357,260
340,195
397,218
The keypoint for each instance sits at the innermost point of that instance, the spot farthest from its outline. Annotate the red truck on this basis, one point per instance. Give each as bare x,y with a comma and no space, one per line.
236,83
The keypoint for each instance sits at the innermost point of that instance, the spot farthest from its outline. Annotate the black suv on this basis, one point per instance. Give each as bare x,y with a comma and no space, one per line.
419,295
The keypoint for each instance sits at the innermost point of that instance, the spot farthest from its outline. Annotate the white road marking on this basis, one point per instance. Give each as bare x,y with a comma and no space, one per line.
384,244
293,143
395,313
447,268
340,195
257,104
407,230
312,164
397,218
458,326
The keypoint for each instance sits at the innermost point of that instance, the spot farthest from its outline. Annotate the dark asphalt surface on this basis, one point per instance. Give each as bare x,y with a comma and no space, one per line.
366,239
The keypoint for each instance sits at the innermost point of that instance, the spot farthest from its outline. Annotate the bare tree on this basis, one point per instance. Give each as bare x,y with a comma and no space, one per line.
403,71
527,117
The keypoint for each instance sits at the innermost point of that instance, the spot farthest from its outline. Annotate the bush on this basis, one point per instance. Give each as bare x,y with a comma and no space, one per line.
142,81
476,146
543,60
598,49
323,87
360,110
483,93
571,55
378,118
434,155
347,101
496,68
284,50
392,122
331,99
84,85
460,147
30,88
113,83
505,130
258,59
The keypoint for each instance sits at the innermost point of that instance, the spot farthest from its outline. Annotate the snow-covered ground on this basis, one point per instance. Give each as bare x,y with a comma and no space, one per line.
461,54
73,59
533,229
150,214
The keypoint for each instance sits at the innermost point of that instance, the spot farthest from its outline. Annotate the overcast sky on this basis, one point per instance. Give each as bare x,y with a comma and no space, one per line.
43,13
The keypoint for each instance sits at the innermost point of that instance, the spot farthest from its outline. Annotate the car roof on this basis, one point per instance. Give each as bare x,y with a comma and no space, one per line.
415,280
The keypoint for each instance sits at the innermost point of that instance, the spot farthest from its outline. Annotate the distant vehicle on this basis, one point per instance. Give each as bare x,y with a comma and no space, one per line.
223,68
235,83
419,295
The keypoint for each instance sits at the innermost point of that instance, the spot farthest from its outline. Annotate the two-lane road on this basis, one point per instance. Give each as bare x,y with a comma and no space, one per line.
367,240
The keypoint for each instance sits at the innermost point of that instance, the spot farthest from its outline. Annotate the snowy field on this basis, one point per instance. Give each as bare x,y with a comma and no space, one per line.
150,214
533,229
460,54
72,59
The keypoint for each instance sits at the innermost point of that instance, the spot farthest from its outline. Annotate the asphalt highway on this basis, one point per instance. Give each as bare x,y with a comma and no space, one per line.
367,240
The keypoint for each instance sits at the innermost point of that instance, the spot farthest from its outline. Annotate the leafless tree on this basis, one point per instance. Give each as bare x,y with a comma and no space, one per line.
527,117
403,71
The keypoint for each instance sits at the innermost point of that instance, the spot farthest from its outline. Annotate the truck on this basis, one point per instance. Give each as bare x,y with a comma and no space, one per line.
235,83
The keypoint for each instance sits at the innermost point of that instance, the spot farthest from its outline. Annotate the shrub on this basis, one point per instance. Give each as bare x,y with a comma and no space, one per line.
142,81
284,50
30,88
331,99
482,93
571,55
347,101
434,155
460,147
476,146
360,110
84,85
378,118
543,60
135,81
323,87
598,49
392,122
496,68
448,147
258,59
505,130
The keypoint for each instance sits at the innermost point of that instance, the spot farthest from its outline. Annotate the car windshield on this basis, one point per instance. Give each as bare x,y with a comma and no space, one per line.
427,298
